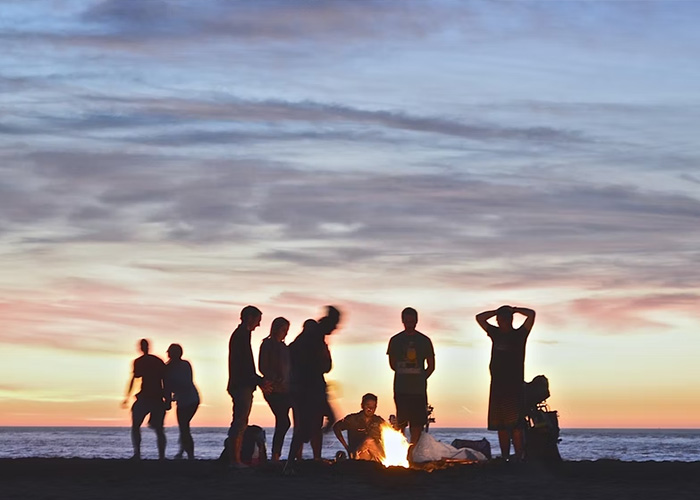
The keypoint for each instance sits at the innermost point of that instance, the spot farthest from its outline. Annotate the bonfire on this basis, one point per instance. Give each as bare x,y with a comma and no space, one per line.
395,447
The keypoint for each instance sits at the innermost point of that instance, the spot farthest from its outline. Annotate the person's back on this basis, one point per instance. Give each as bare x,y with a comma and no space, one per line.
150,400
310,359
151,370
178,376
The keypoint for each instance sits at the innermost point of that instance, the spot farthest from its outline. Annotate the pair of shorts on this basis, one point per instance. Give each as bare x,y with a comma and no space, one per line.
154,408
411,409
242,404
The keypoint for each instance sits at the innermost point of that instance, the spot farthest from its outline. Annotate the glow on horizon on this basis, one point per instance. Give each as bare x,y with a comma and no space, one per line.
161,168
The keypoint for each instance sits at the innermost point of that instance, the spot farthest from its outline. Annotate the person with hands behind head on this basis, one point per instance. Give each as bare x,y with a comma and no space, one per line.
506,412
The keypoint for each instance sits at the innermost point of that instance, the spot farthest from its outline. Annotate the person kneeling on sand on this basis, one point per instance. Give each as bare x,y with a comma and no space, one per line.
364,430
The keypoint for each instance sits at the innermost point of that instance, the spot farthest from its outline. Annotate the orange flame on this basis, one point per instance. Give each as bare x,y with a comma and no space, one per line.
395,447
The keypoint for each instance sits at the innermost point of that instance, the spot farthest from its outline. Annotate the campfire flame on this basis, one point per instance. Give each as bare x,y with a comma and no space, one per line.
395,447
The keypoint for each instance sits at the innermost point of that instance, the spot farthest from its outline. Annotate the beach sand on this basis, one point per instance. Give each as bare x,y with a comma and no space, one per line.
37,478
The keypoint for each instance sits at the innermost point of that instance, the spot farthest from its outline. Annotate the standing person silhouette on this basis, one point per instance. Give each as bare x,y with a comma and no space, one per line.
274,364
507,367
412,358
328,324
242,380
310,360
179,387
150,400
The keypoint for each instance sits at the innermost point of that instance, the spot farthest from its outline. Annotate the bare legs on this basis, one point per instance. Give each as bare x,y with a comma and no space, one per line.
184,416
516,435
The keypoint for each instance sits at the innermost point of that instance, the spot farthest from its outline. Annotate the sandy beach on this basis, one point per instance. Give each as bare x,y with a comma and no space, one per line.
122,479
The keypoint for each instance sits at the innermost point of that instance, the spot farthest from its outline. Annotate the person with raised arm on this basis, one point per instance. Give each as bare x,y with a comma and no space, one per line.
506,395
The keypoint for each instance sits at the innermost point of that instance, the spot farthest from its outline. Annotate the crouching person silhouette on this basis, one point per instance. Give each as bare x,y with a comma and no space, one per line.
364,430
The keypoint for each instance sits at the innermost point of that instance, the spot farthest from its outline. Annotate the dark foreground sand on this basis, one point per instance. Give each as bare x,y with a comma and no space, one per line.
123,480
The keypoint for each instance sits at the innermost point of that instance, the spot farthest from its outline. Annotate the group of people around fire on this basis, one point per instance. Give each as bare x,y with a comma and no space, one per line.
292,377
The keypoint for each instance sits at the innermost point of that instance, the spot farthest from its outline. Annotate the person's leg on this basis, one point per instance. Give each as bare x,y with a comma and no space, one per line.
298,437
504,442
416,430
316,427
155,421
242,404
519,444
184,416
279,404
160,437
180,413
316,443
137,416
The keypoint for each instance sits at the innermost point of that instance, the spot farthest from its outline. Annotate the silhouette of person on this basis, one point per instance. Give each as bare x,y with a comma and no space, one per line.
274,364
242,379
328,324
310,360
412,358
150,400
507,367
179,387
364,430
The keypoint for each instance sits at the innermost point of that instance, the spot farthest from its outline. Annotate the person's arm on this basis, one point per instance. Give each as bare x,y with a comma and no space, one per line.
392,356
325,357
430,359
529,317
264,360
168,387
338,429
431,366
482,319
129,387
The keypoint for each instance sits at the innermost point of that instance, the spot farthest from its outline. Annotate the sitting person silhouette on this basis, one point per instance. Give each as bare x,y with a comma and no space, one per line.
364,430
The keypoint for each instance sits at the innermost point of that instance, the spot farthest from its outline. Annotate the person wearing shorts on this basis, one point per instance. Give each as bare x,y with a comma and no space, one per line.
150,400
412,358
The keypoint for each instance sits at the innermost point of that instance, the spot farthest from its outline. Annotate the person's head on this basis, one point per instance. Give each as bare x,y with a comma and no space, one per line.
369,404
409,318
330,321
175,352
144,346
309,325
279,328
251,317
504,317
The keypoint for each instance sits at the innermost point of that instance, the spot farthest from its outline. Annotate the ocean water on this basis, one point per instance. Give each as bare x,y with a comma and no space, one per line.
114,442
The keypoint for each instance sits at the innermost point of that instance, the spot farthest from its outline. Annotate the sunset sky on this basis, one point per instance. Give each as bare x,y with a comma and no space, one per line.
165,163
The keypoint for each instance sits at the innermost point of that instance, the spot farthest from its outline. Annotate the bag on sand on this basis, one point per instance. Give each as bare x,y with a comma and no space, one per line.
253,449
429,449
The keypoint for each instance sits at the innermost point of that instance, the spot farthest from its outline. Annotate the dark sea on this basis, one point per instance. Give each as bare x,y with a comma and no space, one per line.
632,445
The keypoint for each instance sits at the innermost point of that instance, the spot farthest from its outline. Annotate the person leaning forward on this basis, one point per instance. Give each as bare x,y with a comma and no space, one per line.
242,379
364,430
